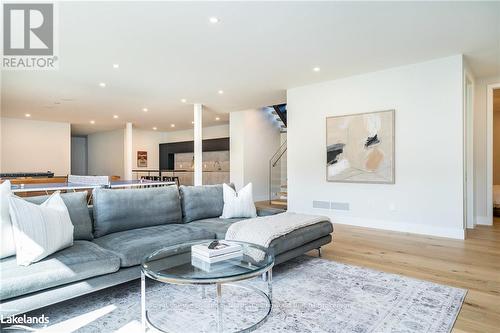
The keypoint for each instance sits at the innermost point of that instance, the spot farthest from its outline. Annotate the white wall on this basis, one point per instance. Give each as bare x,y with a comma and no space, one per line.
480,139
427,197
149,141
79,155
106,153
237,149
253,140
35,146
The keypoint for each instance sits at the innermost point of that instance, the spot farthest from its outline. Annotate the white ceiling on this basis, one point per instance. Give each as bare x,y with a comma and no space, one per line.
168,51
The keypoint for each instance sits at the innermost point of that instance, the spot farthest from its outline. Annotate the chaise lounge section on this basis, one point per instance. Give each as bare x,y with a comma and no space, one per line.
122,227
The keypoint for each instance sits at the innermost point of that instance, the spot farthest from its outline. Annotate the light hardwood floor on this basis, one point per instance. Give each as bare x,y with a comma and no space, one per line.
473,264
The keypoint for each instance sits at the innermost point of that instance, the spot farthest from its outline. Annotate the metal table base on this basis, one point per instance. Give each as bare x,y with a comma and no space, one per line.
147,324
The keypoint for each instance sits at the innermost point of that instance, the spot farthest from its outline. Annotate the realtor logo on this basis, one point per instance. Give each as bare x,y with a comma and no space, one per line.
29,36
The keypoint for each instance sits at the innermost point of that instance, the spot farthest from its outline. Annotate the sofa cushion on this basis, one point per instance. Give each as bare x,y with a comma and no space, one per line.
76,202
301,236
78,262
201,202
119,210
216,225
133,245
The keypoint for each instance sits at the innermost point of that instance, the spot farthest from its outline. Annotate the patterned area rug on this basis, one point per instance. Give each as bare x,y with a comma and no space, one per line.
309,295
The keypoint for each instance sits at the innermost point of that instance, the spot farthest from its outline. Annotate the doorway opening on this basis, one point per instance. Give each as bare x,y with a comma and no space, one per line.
493,154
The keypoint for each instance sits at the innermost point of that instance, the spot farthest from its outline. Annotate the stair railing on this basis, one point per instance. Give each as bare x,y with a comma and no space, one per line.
273,162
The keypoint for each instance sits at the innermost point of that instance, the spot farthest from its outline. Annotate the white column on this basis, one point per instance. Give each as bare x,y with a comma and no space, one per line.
198,149
127,152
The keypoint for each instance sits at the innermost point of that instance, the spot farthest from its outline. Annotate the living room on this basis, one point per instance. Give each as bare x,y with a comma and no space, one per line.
240,166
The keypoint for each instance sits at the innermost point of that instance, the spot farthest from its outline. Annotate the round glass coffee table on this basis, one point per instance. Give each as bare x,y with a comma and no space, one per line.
177,265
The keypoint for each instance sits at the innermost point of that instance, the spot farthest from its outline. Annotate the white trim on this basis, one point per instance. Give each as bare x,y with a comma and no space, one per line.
413,228
198,144
468,106
483,220
127,151
489,153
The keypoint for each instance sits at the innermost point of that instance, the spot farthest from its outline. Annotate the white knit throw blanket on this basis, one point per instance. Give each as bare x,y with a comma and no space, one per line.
263,230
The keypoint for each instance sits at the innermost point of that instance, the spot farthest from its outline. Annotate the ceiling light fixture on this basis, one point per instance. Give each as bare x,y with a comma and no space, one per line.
220,92
214,20
27,115
183,100
217,118
154,128
172,125
192,122
145,109
316,69
115,116
115,66
102,84
92,122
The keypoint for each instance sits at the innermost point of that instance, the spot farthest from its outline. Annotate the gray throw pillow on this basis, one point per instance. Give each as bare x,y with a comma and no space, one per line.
201,202
119,210
76,202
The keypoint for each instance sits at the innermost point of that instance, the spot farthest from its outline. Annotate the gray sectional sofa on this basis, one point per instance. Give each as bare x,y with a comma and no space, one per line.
122,227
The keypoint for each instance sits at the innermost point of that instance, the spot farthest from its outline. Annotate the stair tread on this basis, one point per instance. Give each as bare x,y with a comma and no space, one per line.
281,202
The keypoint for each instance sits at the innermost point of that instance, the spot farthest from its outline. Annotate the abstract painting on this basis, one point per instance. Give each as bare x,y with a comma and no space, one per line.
360,148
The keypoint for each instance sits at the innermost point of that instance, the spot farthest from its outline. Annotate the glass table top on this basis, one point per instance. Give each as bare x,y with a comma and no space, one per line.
178,264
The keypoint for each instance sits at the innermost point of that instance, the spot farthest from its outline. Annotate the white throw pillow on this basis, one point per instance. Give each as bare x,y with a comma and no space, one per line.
40,230
238,204
7,245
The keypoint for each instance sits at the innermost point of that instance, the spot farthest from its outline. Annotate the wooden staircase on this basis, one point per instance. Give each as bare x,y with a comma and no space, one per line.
282,199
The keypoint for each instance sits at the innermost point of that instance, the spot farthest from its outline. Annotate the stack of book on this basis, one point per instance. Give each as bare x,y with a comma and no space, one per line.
202,257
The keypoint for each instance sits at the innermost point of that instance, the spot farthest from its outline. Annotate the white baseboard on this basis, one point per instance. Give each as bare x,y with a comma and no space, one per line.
403,227
484,220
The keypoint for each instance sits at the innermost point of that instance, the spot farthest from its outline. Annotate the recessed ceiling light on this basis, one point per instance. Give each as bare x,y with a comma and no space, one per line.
183,100
92,122
217,118
154,128
115,66
27,115
115,116
220,92
214,20
145,109
102,84
192,122
172,125
316,69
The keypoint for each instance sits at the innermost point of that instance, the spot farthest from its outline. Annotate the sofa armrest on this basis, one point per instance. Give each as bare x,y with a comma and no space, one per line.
269,211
